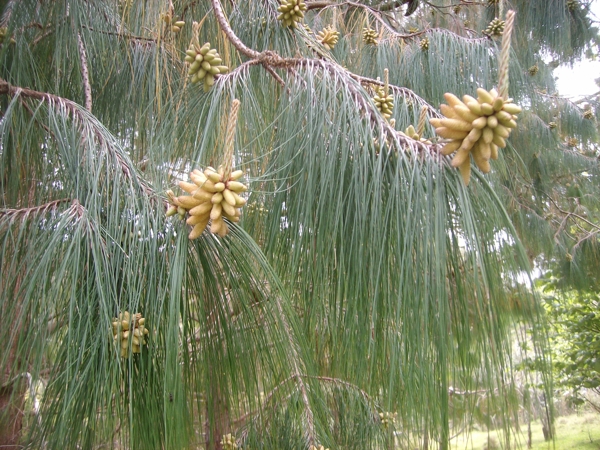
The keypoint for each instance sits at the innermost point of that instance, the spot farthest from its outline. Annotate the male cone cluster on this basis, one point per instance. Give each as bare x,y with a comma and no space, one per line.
495,28
211,198
205,64
320,447
388,419
328,37
128,329
383,102
370,36
229,442
291,12
424,44
477,127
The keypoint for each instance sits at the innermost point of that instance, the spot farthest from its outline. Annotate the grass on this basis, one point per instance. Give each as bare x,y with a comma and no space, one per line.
577,431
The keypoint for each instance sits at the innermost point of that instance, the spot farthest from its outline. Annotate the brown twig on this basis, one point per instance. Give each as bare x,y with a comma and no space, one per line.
34,209
321,4
274,74
28,109
42,36
567,214
121,35
31,25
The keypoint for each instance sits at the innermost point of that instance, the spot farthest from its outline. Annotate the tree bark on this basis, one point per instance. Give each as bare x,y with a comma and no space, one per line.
218,422
11,389
11,413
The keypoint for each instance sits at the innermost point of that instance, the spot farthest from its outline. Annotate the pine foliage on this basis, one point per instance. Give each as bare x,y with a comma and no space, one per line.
367,298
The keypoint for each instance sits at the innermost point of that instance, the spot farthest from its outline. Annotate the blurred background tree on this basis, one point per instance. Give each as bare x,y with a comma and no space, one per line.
366,299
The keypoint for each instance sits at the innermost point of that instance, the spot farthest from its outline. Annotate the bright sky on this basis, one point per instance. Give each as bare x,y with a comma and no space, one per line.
579,80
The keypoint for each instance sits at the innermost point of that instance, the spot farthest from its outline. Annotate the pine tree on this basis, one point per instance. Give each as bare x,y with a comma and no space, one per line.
358,295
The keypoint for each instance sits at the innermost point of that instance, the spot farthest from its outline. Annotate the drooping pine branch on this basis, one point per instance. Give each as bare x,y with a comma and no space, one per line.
81,116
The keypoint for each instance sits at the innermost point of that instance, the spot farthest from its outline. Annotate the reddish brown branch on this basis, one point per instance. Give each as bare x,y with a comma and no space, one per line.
224,24
35,209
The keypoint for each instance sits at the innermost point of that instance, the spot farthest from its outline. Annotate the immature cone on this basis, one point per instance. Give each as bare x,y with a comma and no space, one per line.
291,12
177,26
475,127
129,330
328,37
412,133
205,64
495,28
370,36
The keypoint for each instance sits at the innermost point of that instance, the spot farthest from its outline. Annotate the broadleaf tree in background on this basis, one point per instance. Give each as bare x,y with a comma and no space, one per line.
367,298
